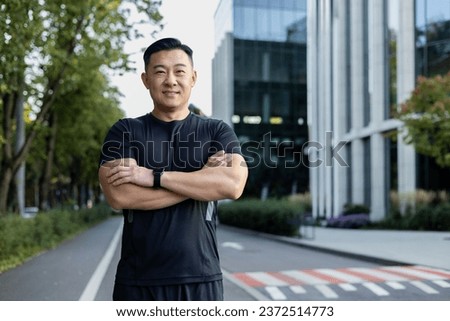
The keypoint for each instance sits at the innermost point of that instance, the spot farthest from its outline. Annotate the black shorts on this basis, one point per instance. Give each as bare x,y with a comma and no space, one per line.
208,291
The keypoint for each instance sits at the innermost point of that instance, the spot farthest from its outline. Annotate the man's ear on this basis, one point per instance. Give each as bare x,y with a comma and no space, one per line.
144,79
194,78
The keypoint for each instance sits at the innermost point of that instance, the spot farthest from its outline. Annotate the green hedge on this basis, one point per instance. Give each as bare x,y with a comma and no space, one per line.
280,217
424,217
22,238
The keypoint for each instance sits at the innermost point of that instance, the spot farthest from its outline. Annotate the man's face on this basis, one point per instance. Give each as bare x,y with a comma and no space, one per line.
170,78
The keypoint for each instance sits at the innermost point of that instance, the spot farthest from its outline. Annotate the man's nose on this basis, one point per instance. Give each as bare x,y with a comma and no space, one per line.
170,79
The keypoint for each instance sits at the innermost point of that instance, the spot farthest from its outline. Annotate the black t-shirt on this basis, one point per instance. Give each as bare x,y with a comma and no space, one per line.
176,244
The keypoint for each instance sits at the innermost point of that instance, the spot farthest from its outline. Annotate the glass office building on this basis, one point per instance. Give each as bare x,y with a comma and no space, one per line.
259,87
364,57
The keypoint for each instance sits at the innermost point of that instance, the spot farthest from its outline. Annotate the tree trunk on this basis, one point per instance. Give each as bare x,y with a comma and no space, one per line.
6,172
20,141
4,190
45,202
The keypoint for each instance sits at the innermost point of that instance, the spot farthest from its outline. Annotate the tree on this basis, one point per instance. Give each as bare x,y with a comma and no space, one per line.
40,43
426,116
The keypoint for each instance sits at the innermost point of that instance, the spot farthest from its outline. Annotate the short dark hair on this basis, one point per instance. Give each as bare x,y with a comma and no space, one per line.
166,44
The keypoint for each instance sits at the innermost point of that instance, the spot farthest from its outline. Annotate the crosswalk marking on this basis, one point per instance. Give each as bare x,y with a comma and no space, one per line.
381,274
377,280
443,273
297,289
367,276
326,291
341,275
347,287
266,278
304,277
415,273
442,283
275,293
395,285
378,290
424,287
324,276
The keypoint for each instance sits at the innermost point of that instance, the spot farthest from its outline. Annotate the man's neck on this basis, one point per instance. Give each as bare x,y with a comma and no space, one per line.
171,115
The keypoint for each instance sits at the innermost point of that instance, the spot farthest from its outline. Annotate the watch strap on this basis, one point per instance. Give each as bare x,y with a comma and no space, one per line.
157,173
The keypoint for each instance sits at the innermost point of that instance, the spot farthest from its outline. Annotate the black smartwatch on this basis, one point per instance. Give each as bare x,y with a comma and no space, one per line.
157,173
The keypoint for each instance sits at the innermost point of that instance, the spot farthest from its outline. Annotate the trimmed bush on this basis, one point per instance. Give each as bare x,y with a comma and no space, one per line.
279,217
22,238
350,208
424,217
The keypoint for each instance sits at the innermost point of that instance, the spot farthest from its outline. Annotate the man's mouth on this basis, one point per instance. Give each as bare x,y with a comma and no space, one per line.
170,93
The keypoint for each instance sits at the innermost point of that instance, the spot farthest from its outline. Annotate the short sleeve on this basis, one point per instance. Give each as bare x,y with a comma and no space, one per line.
117,143
226,139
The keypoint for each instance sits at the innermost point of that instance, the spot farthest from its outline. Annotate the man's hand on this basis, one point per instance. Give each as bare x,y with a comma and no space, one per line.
219,159
122,171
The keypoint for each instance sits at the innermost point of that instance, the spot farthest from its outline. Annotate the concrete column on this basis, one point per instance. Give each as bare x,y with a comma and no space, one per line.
312,101
321,102
378,98
327,95
406,80
340,100
357,97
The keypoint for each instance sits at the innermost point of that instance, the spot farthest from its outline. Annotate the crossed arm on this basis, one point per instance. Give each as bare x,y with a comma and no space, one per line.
129,186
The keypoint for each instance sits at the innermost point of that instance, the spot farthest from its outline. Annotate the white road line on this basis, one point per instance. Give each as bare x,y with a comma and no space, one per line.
326,291
442,283
395,285
297,289
275,293
378,290
304,277
90,291
424,287
341,275
347,287
233,245
267,279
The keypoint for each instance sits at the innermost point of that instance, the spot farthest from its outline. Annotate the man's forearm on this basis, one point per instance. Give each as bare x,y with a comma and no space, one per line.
209,183
131,196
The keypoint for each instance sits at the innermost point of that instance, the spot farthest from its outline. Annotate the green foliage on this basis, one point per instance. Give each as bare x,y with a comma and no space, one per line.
279,217
55,58
350,208
425,217
427,118
22,238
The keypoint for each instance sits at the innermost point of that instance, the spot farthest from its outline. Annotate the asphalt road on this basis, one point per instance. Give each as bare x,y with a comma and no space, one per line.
255,268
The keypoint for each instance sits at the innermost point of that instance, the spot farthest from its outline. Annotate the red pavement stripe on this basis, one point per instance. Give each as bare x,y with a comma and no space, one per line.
402,274
322,276
247,279
361,275
285,278
432,271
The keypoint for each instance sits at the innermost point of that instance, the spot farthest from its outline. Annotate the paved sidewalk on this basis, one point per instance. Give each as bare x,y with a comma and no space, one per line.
404,247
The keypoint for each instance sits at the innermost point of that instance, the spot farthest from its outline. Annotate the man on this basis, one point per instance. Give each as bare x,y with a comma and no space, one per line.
166,170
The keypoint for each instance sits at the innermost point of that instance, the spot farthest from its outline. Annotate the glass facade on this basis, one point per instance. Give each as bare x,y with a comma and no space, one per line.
432,58
266,20
432,37
268,89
